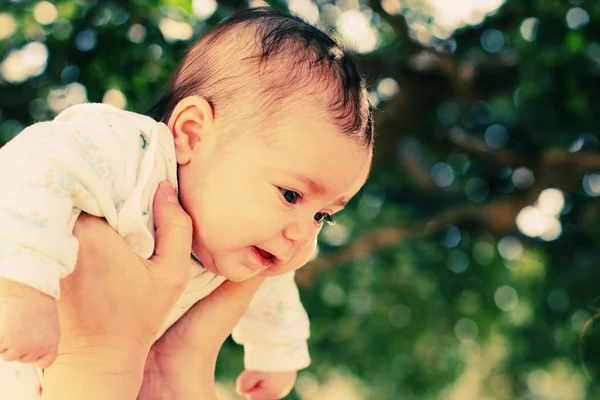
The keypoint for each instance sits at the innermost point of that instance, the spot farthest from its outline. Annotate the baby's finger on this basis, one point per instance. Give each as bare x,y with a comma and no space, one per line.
46,359
28,357
173,231
246,382
259,394
11,355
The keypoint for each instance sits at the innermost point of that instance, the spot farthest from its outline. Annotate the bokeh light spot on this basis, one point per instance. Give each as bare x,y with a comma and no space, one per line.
477,190
523,178
69,74
62,97
387,88
510,248
577,18
496,136
306,9
591,184
357,31
466,330
25,63
452,237
529,28
531,221
442,174
45,13
85,40
115,98
483,252
333,294
8,26
458,261
173,30
506,298
136,33
492,40
551,201
204,8
336,235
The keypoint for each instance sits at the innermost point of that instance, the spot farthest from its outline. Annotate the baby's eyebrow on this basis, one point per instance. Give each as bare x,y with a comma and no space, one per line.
317,188
313,185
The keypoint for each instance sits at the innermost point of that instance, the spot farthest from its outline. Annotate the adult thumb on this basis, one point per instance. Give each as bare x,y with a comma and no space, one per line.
173,229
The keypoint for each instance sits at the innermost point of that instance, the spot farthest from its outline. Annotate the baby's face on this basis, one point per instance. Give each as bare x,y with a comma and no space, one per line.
258,204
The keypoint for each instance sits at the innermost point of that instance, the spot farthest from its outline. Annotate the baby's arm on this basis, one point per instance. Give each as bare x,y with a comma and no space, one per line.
49,173
274,332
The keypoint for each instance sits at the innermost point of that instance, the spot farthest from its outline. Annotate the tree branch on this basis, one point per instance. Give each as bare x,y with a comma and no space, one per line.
497,216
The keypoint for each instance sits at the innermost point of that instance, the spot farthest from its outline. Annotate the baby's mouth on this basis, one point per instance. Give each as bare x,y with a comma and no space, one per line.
267,259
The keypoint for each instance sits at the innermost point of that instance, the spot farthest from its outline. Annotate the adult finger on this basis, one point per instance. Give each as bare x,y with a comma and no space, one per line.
223,307
173,230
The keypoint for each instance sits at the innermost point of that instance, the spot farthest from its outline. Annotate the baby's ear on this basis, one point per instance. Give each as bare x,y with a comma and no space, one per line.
191,122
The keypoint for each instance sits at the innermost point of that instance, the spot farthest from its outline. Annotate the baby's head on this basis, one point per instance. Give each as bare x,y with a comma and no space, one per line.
273,134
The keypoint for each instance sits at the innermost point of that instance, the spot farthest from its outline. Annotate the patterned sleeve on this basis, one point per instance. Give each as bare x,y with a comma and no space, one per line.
275,329
50,173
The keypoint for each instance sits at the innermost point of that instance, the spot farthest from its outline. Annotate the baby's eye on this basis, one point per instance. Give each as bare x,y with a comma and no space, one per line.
289,195
320,217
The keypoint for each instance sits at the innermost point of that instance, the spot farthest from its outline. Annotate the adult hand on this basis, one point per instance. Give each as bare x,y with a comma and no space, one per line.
181,363
115,302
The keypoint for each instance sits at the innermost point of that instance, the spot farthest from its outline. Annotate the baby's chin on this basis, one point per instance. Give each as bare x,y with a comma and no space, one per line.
276,271
237,273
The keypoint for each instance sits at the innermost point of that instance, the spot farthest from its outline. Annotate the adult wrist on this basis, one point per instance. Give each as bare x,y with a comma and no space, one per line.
96,368
103,352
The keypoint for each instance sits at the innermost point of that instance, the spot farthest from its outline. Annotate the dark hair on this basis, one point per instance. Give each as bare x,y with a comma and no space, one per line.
285,55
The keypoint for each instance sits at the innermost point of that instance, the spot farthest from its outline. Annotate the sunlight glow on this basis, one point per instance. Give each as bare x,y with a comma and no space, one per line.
174,30
204,8
506,298
358,33
577,18
551,201
306,9
336,235
8,25
454,14
529,28
115,98
23,64
541,219
510,248
65,96
45,13
387,88
591,184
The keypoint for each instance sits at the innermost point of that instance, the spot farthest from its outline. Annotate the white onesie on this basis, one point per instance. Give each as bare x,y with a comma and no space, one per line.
108,162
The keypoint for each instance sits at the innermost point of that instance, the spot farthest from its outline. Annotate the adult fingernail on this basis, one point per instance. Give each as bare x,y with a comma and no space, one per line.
169,192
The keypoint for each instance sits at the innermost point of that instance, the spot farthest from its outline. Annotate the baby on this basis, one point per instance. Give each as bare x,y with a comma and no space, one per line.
266,130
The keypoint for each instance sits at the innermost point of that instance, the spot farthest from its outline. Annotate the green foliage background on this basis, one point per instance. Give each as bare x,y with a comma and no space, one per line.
412,296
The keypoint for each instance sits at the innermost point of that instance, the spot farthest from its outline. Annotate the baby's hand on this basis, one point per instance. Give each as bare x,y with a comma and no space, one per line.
29,328
256,385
